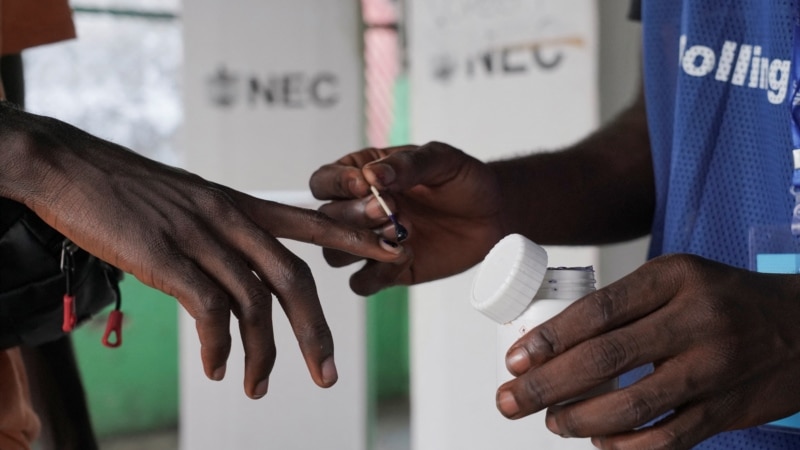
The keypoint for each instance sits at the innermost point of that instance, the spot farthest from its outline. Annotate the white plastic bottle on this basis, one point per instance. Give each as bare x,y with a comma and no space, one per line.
515,288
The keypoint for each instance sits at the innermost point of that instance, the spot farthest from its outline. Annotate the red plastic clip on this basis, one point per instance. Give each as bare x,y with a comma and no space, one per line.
70,316
113,327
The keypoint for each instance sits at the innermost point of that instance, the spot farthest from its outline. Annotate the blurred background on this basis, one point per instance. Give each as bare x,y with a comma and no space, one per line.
257,94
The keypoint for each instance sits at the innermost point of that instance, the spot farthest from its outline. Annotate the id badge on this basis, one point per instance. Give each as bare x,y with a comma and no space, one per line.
776,250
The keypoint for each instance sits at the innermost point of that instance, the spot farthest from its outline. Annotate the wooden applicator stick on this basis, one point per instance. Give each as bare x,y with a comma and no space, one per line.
400,230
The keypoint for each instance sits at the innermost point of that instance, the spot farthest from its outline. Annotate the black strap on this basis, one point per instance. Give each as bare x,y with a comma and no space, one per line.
635,10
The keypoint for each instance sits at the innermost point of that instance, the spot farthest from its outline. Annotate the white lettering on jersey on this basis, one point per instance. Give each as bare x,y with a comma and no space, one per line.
738,64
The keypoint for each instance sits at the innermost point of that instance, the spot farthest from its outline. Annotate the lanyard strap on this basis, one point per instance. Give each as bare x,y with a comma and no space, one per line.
795,120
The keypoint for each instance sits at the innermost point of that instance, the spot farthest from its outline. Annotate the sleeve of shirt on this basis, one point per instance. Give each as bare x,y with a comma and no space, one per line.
27,23
635,10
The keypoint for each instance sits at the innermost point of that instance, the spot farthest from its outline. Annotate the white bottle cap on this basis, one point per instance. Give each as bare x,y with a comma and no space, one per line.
508,278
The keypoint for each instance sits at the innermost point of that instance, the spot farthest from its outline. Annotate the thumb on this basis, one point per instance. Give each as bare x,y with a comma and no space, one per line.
432,164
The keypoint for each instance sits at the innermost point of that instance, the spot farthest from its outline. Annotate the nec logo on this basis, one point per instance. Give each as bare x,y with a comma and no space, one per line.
287,90
503,62
738,64
545,55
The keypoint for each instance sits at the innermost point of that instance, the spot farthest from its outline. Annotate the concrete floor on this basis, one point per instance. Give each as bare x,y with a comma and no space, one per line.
392,433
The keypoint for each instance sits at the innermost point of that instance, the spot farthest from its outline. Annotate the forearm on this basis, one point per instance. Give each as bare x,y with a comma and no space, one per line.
24,168
599,191
49,165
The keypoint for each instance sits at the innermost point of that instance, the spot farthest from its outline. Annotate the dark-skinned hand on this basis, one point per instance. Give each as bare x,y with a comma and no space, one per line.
725,344
211,247
448,201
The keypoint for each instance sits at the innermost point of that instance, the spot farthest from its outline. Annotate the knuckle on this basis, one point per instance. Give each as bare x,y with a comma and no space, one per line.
607,356
316,332
217,344
315,182
268,351
434,150
342,234
216,202
433,145
667,439
537,393
546,341
161,246
292,274
640,409
570,424
256,307
329,209
261,357
296,272
440,146
213,307
604,302
677,266
319,219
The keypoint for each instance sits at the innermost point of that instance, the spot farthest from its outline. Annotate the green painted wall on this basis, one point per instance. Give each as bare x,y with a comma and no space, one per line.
387,311
134,387
387,343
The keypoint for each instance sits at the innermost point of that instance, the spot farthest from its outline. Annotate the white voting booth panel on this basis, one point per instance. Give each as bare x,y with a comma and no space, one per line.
295,414
493,78
272,91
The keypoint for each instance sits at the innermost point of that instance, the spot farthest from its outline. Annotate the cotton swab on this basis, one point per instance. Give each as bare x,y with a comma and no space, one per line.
400,230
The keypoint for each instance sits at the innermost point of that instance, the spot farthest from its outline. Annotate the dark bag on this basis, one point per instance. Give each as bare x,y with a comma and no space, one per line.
47,284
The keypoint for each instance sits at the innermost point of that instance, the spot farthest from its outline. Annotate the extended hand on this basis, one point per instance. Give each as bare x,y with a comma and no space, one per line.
213,248
449,202
724,342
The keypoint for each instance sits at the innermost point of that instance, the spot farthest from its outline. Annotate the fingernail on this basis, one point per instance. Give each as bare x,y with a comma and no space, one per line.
385,173
373,209
352,184
261,389
552,425
507,404
219,373
390,246
518,362
329,373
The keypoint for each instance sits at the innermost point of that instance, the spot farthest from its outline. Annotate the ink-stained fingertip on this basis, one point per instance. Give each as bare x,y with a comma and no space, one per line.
400,231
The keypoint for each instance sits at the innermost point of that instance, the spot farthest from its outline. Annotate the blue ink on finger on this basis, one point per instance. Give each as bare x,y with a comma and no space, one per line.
400,231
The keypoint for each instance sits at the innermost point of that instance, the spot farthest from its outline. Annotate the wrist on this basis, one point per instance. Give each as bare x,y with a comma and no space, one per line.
27,167
509,214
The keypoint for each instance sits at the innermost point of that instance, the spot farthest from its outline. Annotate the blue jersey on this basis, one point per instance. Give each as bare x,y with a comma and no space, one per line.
717,78
717,86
